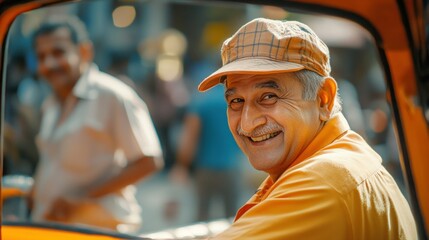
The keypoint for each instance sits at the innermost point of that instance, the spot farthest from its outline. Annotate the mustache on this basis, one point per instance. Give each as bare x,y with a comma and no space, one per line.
54,71
260,130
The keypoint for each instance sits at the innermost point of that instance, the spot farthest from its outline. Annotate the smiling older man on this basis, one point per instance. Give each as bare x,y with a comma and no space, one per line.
325,181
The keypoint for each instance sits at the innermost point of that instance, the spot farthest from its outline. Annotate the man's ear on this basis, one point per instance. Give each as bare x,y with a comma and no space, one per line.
86,51
326,98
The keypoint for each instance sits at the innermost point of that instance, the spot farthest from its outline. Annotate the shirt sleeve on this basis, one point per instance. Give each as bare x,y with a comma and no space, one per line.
134,130
301,207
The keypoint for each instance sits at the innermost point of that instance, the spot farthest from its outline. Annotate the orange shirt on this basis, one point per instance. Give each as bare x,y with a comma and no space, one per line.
336,189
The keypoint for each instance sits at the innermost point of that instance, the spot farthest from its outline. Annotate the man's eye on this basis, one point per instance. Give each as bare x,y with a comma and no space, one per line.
58,52
236,103
40,57
269,99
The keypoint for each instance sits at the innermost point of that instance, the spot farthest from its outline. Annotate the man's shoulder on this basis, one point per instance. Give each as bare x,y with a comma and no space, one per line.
109,85
341,169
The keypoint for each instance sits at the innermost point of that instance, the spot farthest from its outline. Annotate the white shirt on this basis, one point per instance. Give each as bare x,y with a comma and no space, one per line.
108,126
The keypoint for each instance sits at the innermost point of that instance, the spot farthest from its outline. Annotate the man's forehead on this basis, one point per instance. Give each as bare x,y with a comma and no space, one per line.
61,33
258,80
59,38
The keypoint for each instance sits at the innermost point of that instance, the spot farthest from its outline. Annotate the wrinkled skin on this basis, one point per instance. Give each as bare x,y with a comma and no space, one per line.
271,122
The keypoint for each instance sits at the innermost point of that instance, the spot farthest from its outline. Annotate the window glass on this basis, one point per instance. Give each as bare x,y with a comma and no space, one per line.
163,49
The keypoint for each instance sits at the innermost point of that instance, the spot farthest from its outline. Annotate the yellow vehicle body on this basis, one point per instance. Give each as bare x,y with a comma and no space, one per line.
28,232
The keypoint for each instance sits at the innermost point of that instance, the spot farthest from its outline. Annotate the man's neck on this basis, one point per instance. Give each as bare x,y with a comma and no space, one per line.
63,95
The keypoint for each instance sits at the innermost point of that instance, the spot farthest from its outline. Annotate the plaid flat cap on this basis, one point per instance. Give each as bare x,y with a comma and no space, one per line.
265,46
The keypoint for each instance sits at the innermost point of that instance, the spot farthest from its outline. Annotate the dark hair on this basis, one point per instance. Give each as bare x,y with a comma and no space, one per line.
75,26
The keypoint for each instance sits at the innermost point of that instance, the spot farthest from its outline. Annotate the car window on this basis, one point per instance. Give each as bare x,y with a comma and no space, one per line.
162,50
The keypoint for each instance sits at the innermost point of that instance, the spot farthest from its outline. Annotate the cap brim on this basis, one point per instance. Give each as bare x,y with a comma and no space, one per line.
248,66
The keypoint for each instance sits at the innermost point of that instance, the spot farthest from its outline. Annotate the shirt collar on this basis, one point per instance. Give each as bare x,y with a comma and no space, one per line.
83,88
333,129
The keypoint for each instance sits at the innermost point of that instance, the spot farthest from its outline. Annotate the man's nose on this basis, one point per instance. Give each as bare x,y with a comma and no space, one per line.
251,117
49,62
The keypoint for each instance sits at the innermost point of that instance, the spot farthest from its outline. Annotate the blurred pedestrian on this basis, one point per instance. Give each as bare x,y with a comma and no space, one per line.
96,138
206,144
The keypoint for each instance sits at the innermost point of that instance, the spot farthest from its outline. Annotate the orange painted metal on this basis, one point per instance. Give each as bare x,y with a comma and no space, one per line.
33,233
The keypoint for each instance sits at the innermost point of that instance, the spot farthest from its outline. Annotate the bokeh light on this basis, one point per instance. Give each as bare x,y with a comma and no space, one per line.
123,16
169,68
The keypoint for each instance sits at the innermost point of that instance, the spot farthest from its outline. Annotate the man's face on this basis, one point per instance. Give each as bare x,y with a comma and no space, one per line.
269,120
59,60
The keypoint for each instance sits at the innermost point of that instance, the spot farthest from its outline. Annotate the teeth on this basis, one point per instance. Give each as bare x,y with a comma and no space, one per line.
263,137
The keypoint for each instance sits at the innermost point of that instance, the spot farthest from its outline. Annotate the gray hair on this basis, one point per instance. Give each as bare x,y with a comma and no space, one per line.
312,82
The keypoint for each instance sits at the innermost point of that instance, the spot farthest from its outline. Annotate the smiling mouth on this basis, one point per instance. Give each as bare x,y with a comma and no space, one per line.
264,137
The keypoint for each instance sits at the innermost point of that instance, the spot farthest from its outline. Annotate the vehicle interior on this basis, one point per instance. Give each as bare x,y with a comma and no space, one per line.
164,48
